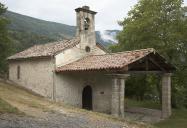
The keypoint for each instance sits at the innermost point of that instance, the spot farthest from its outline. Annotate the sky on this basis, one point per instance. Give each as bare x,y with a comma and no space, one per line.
62,11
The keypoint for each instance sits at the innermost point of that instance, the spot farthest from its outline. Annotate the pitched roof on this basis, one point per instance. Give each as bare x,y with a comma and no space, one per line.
106,61
45,50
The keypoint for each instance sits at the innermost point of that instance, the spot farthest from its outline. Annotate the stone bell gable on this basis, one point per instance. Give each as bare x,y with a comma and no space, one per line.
86,27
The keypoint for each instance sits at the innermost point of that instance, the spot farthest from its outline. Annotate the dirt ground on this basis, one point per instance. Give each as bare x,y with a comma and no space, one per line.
39,112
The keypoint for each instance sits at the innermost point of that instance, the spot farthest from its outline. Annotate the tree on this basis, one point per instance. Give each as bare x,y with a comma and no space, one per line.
4,39
159,24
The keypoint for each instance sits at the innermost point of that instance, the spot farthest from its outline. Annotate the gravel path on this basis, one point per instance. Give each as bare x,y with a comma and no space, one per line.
54,120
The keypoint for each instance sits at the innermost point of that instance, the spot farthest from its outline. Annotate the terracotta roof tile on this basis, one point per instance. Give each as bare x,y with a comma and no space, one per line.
46,49
107,61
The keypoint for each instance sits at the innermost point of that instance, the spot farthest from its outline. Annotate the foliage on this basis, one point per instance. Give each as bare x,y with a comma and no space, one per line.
39,27
4,39
177,120
24,39
159,24
143,87
130,103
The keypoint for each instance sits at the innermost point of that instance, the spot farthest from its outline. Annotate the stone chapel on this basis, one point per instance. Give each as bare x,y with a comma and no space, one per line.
80,72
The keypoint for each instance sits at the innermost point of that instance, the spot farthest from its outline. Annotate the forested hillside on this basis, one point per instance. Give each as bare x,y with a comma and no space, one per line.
26,31
51,29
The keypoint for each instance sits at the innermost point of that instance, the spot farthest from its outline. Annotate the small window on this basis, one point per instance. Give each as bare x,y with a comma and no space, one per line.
8,74
101,92
18,72
87,49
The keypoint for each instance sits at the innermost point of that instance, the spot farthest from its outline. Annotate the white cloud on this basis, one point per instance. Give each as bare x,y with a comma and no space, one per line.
108,36
62,11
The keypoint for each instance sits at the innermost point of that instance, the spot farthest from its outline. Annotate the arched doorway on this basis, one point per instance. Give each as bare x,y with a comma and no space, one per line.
87,98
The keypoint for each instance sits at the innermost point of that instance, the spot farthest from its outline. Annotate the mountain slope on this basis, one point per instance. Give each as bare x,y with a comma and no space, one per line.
26,31
25,23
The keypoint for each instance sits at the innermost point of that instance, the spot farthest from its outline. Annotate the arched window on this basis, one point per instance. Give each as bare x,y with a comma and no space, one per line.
86,23
18,72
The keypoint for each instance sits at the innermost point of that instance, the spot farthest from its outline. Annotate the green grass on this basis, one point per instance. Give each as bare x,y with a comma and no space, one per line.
143,104
7,108
177,120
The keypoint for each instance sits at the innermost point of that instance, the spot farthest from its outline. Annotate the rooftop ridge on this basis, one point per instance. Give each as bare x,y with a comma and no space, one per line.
58,41
147,49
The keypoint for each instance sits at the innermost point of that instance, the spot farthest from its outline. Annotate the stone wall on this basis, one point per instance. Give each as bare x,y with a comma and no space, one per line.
166,95
69,89
35,74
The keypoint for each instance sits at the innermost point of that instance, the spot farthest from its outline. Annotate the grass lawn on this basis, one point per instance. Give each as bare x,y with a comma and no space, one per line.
142,104
7,108
177,120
